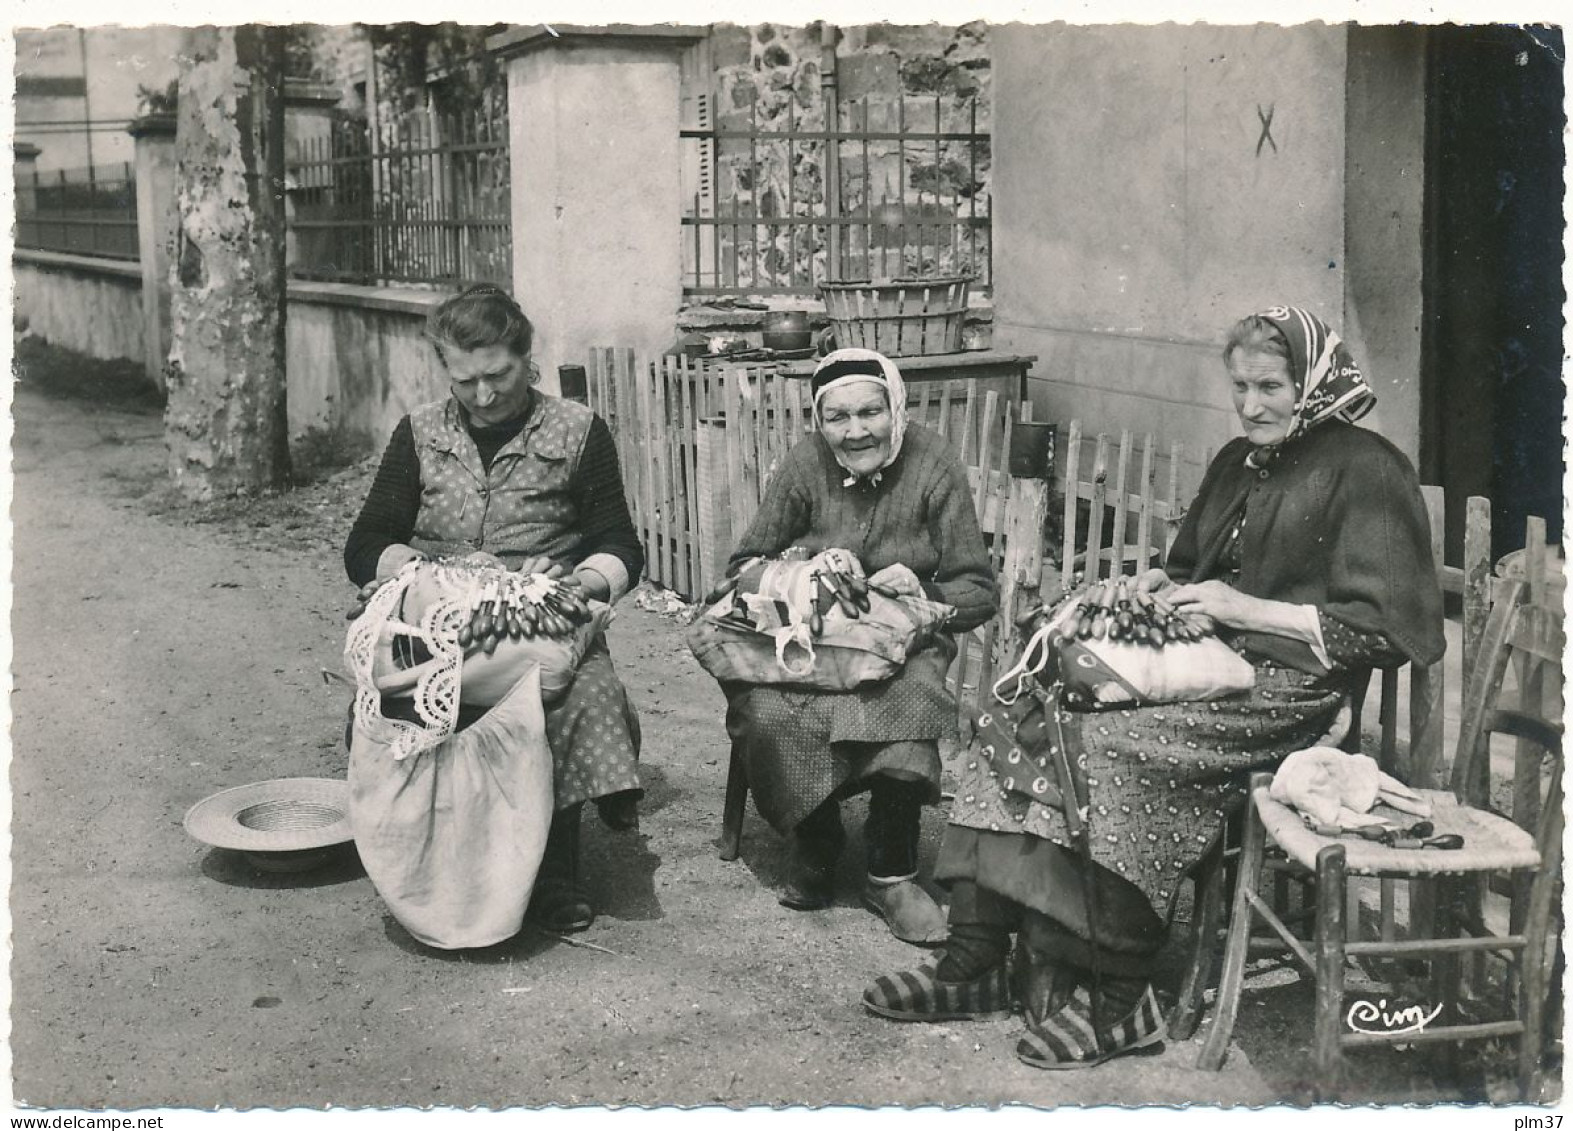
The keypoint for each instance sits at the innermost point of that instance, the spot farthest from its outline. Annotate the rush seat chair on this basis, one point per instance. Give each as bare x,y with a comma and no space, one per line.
1447,924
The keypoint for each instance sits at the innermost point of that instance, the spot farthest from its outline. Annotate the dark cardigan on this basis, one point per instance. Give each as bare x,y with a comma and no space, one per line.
921,514
1336,522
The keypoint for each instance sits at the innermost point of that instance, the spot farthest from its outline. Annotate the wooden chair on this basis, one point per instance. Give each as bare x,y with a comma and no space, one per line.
1414,761
1493,844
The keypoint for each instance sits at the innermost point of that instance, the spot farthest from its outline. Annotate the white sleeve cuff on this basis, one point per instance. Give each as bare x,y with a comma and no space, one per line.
1309,622
610,567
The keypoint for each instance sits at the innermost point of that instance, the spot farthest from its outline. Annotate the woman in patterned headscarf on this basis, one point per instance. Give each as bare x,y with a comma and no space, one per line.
1308,548
868,493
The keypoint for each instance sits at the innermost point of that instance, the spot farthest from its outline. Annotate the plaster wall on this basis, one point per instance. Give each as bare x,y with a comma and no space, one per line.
96,310
596,198
1152,185
357,359
113,62
1384,214
156,222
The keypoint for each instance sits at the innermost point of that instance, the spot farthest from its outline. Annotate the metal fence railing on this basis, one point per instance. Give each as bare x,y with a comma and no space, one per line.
89,211
426,202
887,188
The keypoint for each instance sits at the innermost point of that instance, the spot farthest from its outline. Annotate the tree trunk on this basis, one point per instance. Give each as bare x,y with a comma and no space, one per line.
226,424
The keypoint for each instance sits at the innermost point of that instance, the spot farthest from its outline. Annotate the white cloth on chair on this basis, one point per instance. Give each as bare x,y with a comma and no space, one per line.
1338,790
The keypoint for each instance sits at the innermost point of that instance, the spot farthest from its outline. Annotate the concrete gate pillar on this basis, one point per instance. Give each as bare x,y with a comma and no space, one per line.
24,159
155,160
597,201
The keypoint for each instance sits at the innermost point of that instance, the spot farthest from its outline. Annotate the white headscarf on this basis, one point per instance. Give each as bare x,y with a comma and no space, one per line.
851,366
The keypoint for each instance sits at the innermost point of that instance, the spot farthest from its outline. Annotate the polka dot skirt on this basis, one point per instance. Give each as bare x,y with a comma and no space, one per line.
594,734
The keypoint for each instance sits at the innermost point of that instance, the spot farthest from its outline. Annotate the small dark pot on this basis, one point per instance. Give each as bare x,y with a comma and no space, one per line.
572,383
787,330
1031,449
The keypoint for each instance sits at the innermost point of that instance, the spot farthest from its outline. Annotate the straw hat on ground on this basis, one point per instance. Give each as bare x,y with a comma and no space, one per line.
285,823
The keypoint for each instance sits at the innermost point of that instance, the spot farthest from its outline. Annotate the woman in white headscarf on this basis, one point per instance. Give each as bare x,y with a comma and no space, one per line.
888,500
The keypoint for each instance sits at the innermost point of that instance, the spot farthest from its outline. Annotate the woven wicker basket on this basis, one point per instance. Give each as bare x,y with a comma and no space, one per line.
899,318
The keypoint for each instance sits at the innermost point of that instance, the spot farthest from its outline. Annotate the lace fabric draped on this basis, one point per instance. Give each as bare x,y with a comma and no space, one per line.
436,695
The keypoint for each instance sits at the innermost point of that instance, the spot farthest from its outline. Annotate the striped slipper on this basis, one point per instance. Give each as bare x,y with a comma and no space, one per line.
1066,1041
919,995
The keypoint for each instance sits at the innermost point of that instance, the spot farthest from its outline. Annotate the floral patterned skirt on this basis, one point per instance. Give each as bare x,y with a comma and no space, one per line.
1158,780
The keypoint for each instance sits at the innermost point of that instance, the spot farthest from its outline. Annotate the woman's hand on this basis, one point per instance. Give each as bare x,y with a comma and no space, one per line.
540,563
395,558
1227,606
590,584
1217,601
898,579
842,561
363,597
1153,581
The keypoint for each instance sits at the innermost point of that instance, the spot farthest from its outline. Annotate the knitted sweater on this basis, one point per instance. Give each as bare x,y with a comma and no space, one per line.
1336,522
920,514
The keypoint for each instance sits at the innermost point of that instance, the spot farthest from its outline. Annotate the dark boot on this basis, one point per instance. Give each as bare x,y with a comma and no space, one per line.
890,834
816,846
890,837
620,811
559,903
980,926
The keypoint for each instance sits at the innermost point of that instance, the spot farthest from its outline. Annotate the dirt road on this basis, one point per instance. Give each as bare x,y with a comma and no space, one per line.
162,653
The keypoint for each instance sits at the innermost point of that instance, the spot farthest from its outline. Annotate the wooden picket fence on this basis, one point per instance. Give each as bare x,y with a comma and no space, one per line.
695,479
698,444
1127,500
654,411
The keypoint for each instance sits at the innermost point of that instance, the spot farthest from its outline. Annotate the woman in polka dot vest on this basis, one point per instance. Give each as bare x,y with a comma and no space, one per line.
501,473
1308,548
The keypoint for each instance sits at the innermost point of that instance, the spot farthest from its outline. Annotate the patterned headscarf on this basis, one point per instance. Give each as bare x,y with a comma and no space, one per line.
1327,382
850,366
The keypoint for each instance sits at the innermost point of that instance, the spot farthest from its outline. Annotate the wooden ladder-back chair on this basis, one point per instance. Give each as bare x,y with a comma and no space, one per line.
1447,926
1412,752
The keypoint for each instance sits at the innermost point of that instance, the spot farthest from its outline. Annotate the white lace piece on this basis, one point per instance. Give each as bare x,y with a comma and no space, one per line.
437,688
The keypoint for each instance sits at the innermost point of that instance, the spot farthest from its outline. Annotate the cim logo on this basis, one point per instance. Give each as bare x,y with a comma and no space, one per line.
1374,1017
